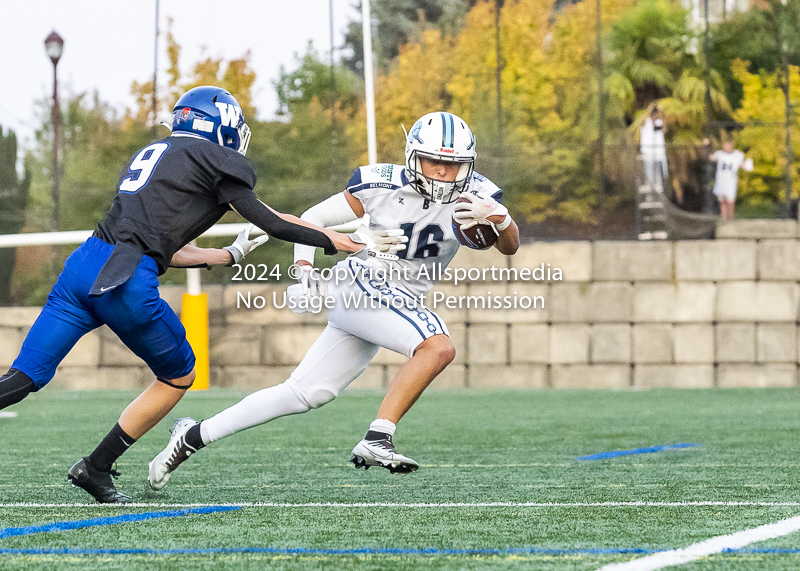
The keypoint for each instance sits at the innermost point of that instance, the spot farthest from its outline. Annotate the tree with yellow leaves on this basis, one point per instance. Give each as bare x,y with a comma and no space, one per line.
548,90
238,78
762,138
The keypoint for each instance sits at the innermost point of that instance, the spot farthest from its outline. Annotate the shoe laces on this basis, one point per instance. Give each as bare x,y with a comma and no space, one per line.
180,448
385,444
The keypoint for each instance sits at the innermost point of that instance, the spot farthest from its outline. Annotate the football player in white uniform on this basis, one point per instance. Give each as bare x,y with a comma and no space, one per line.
420,198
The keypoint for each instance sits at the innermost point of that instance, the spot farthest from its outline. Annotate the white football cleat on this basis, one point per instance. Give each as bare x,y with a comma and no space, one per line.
382,453
176,452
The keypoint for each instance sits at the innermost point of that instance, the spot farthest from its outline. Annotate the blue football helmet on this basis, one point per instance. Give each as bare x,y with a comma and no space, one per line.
214,114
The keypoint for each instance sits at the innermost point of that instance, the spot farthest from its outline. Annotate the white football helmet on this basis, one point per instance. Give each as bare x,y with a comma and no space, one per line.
440,136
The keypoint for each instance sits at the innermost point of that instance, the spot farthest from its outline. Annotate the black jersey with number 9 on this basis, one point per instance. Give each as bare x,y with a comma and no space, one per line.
172,191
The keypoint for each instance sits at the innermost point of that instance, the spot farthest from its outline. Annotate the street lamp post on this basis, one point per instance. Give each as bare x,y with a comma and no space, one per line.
54,45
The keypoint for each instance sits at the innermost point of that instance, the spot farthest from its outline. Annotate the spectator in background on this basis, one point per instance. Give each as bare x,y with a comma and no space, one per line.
653,148
729,161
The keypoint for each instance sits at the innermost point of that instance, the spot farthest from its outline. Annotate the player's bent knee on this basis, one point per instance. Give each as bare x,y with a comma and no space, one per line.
319,397
313,396
447,353
181,384
440,347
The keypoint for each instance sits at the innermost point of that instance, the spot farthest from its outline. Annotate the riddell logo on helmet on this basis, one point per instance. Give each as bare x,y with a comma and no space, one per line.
443,150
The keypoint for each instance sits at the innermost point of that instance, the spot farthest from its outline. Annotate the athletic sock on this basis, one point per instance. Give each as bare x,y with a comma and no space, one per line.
114,445
204,432
380,428
194,437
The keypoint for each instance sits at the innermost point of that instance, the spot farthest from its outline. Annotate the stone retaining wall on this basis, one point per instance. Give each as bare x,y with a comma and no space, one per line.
702,314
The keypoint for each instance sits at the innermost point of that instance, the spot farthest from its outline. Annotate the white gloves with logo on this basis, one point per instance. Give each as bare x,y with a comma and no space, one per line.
243,245
381,244
478,209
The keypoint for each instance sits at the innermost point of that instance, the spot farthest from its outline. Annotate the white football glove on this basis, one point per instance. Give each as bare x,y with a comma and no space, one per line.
243,245
311,281
381,244
300,301
477,210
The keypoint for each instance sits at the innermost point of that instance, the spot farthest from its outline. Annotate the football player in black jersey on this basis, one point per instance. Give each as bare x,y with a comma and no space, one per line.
172,191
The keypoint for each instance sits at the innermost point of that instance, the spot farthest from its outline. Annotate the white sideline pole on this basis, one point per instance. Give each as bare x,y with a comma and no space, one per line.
44,238
369,81
193,281
78,236
193,278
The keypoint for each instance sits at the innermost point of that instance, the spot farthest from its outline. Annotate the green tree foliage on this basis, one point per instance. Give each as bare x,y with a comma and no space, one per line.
13,201
548,79
649,45
748,36
97,144
400,22
314,79
655,60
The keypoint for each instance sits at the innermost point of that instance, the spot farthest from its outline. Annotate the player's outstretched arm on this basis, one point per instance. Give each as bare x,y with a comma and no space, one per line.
293,229
193,257
382,244
338,209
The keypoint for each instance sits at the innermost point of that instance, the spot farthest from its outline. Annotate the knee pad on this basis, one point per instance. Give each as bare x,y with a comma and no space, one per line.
14,386
320,396
314,396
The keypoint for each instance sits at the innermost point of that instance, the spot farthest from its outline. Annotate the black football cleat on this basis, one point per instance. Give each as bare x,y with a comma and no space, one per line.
98,484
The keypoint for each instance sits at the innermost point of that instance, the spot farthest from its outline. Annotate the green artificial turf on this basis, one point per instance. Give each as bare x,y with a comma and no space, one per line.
473,447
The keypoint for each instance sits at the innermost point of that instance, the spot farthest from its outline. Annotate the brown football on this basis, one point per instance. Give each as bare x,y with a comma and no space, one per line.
478,237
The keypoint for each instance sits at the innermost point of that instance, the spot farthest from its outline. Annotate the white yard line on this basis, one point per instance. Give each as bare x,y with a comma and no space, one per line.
708,547
414,505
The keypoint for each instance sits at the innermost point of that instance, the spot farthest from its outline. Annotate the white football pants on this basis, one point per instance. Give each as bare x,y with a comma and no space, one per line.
340,354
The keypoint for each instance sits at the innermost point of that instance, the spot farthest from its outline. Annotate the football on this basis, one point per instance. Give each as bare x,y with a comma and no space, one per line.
478,237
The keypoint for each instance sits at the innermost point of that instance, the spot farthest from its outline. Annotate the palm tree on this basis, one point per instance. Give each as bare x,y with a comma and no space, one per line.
655,60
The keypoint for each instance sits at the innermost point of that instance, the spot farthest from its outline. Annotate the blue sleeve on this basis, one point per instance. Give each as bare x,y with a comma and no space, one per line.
355,183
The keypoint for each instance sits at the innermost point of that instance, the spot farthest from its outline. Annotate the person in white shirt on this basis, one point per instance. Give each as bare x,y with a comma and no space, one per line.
654,150
729,161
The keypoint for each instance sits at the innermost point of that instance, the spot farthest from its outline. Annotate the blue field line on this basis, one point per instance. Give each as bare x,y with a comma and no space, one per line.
127,518
354,551
647,450
758,550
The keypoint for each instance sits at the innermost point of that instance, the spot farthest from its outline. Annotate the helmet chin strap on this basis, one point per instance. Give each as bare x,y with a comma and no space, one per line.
438,190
